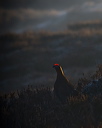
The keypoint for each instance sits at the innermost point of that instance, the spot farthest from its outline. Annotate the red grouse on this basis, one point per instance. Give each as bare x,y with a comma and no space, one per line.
62,87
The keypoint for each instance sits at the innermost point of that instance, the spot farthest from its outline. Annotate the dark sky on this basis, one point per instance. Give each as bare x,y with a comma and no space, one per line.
38,4
21,15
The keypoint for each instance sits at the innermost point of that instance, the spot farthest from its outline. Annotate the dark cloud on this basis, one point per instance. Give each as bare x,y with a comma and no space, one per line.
29,14
12,19
38,4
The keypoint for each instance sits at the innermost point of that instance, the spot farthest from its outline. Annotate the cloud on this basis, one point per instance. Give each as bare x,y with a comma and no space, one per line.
96,8
37,4
92,7
16,18
25,18
6,15
23,14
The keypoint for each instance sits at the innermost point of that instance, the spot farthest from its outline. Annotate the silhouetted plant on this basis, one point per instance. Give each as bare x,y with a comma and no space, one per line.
37,108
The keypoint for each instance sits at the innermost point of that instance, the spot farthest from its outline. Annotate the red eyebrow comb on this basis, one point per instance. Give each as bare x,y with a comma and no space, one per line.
56,64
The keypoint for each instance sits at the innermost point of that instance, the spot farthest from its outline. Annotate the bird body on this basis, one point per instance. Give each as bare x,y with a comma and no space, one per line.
62,87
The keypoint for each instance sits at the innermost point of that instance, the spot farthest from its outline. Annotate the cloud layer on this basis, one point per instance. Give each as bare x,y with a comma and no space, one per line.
25,14
11,18
37,4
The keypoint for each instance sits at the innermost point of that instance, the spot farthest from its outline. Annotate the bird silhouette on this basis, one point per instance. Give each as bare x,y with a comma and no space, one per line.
62,87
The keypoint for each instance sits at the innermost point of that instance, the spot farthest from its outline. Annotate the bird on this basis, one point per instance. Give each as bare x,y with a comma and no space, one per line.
62,87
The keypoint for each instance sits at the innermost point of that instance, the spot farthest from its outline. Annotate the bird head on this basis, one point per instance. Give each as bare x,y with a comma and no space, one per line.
58,68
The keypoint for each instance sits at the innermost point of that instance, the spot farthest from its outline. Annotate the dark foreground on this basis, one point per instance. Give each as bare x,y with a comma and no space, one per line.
38,108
